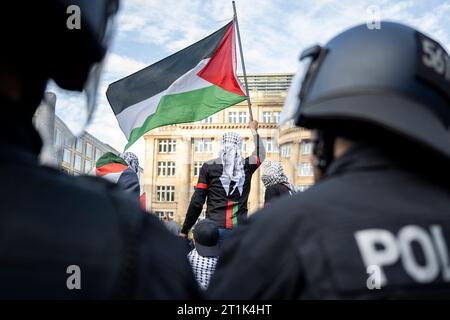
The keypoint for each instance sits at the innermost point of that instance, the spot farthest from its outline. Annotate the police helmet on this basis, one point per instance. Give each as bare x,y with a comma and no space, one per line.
60,40
394,78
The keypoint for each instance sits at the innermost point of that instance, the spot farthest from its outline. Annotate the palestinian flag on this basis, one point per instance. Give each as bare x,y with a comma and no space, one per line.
187,86
116,170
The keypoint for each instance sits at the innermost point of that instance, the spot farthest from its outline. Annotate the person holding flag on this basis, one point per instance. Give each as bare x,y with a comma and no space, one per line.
225,184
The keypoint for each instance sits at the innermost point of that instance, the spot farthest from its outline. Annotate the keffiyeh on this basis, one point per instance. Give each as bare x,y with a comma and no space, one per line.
233,162
273,174
132,160
203,268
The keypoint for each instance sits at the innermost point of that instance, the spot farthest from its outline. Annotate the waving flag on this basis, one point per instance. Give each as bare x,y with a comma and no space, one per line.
187,86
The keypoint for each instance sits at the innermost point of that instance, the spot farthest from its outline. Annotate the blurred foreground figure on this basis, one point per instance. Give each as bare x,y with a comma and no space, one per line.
377,223
64,237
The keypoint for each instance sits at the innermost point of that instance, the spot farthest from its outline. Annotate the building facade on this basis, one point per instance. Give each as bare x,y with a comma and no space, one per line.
174,154
77,155
62,149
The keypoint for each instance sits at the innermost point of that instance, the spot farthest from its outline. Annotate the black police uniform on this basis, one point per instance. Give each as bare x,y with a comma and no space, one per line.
50,221
316,248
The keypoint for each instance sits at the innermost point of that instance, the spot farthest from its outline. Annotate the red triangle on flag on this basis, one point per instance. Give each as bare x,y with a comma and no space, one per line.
220,68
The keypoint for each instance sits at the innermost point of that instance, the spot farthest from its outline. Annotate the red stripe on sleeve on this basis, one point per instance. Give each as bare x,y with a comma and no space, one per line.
202,186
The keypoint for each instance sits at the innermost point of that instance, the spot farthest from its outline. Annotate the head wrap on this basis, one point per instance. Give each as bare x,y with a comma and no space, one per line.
233,162
132,160
273,174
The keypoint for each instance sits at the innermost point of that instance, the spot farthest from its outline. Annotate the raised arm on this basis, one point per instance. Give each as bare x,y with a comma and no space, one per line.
259,154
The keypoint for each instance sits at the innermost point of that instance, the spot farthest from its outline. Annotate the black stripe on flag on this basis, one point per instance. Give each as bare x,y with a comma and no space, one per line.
159,76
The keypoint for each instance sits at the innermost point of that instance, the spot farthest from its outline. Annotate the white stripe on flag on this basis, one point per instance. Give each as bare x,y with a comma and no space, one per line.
135,115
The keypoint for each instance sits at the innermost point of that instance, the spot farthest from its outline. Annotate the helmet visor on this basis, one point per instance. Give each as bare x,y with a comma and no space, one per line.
310,61
292,103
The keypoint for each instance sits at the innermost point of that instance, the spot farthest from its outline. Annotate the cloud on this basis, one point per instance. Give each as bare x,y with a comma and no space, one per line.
273,32
118,66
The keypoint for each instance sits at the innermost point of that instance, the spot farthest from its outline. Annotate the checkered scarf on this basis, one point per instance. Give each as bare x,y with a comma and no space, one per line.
203,268
232,160
132,160
273,174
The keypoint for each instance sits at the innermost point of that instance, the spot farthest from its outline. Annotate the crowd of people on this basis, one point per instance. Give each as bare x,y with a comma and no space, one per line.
378,102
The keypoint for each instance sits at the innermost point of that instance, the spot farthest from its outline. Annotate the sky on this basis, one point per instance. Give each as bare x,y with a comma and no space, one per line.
273,34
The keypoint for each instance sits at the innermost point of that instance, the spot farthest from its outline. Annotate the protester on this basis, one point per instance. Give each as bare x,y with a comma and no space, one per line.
65,237
121,170
275,181
225,182
376,224
204,256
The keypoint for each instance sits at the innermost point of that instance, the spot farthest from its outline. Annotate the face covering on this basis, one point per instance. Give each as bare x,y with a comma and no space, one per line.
233,162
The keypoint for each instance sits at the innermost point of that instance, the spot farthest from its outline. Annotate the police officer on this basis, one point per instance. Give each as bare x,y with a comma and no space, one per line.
65,237
376,225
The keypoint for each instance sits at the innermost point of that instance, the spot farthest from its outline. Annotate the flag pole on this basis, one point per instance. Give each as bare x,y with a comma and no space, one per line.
243,64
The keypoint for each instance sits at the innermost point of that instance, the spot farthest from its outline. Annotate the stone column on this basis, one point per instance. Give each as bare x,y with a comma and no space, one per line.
183,167
149,170
294,160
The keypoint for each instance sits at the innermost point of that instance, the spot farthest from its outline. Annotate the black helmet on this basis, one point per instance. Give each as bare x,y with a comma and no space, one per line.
36,37
395,78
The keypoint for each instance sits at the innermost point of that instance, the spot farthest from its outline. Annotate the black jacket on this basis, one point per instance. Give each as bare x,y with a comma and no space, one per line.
275,191
370,222
226,210
50,221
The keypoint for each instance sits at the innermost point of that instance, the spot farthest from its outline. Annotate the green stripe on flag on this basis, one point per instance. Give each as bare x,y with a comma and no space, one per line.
234,214
186,107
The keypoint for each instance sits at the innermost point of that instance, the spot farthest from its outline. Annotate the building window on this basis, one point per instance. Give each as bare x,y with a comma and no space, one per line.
159,214
207,120
306,147
303,187
87,166
166,168
171,168
202,145
79,145
243,117
266,117
232,117
98,154
77,164
270,145
67,156
165,193
89,151
286,150
68,142
58,137
197,166
162,214
305,169
276,117
244,146
167,146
